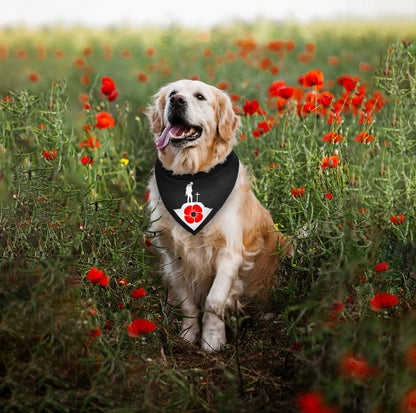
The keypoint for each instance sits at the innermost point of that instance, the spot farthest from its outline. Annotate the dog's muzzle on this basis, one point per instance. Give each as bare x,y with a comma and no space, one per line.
177,110
179,132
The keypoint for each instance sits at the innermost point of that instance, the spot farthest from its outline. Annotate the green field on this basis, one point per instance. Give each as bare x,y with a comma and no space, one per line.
331,150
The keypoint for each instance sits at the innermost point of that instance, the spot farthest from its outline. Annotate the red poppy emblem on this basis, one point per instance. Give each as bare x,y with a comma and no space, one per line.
193,214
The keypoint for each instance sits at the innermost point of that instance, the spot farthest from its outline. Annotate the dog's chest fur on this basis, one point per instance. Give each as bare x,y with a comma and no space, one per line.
192,258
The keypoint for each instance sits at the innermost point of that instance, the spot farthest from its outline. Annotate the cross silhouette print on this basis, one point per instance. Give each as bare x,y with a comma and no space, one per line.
197,195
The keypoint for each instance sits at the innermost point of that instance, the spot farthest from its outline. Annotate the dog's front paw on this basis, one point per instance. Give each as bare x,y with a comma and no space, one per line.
213,335
213,342
190,330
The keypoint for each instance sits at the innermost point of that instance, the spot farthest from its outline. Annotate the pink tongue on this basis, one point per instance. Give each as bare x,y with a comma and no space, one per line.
164,139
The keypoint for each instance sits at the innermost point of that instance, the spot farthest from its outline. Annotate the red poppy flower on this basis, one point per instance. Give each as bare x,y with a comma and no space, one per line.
298,192
91,143
234,97
94,332
59,54
150,51
113,96
381,267
193,214
376,103
365,118
86,160
355,367
250,108
224,85
97,276
265,63
349,83
383,300
312,96
122,281
285,92
325,99
85,79
84,100
108,85
337,306
397,220
275,70
329,162
275,45
308,107
140,292
314,78
365,67
281,104
88,50
364,137
126,54
104,120
50,154
34,77
333,61
329,195
408,402
142,77
333,137
290,45
263,127
313,402
305,58
411,357
140,326
310,47
273,89
357,100
334,117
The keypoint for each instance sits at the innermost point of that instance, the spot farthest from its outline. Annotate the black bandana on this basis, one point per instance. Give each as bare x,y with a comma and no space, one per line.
193,200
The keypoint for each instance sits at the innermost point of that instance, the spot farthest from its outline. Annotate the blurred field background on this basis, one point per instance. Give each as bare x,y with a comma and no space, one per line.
73,199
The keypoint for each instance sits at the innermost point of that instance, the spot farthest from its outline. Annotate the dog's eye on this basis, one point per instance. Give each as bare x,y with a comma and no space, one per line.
200,97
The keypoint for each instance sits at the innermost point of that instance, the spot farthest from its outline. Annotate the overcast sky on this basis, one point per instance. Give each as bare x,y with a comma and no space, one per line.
134,13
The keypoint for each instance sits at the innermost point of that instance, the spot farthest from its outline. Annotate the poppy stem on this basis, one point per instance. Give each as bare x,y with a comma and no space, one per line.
237,351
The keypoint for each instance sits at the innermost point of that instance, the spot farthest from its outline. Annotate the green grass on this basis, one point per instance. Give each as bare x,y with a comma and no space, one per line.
59,218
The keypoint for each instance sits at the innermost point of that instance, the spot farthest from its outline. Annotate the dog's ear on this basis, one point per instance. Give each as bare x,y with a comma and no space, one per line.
228,121
155,113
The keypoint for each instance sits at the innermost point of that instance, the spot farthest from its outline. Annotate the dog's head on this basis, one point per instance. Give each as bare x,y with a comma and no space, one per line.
194,126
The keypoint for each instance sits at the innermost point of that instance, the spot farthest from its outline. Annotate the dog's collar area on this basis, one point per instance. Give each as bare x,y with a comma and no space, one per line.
194,199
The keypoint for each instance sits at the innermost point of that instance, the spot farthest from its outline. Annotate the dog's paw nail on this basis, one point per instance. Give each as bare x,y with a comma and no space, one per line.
213,343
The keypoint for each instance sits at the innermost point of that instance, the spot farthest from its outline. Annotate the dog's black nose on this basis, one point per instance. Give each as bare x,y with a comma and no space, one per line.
177,100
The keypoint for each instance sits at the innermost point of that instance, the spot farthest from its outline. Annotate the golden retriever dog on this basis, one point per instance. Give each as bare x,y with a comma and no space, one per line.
233,256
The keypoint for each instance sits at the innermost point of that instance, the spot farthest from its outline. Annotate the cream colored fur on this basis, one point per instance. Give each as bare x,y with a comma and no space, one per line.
234,255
